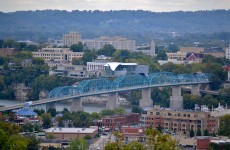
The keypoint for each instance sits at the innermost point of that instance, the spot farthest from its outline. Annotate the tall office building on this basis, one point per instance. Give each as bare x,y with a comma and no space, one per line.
152,48
118,43
71,38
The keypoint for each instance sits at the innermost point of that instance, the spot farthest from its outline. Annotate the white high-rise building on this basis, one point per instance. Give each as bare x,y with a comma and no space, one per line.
71,38
227,52
118,43
152,48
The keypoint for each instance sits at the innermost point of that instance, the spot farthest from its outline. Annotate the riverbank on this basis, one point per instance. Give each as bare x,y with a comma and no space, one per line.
61,105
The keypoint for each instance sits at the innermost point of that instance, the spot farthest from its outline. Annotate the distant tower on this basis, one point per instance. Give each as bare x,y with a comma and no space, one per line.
49,42
227,52
71,38
227,83
152,48
228,69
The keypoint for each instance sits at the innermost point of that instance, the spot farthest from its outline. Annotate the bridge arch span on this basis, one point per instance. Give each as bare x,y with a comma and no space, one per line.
62,91
162,77
130,80
95,85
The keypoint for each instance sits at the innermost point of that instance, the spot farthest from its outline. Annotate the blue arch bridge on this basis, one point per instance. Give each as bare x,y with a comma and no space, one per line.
122,83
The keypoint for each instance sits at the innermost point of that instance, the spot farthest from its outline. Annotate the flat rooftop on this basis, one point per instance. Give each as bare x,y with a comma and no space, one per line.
70,130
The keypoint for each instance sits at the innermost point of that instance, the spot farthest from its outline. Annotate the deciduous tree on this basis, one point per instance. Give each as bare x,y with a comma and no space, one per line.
224,128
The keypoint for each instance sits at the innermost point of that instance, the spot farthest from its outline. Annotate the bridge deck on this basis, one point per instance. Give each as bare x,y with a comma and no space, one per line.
104,91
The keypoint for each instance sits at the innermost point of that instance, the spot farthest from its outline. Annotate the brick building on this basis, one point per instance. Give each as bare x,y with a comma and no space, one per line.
133,133
71,133
4,52
203,143
117,121
180,121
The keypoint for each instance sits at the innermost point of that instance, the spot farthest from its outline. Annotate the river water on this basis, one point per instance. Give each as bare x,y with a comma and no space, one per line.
60,106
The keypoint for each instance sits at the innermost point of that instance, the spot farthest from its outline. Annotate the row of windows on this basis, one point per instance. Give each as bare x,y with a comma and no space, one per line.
177,120
174,114
58,55
211,125
52,58
213,121
75,75
52,50
52,54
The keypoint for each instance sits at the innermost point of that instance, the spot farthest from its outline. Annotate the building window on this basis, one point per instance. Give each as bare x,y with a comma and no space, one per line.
158,113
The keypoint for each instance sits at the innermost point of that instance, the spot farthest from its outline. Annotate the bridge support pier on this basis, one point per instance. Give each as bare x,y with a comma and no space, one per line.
76,105
176,100
146,100
195,90
112,101
41,107
49,105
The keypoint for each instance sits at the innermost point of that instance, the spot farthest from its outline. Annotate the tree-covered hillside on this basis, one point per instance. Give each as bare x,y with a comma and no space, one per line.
38,25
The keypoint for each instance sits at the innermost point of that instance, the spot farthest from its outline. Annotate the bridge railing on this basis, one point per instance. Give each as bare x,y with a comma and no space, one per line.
126,81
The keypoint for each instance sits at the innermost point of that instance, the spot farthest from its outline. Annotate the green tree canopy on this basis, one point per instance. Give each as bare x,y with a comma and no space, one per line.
173,47
121,55
95,115
136,109
107,50
169,67
9,43
161,96
224,128
9,138
77,47
161,55
88,56
78,145
190,101
23,55
1,43
38,61
52,112
46,118
209,101
31,48
156,140
107,112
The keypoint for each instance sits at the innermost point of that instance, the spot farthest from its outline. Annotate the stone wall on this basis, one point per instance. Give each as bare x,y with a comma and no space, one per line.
43,94
21,91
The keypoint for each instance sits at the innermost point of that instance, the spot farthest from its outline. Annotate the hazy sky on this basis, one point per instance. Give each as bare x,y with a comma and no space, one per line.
152,5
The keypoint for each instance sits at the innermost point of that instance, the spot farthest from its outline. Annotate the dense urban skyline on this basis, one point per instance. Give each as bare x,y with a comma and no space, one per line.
152,5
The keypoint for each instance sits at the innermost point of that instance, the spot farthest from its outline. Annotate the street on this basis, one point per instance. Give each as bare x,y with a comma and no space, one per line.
101,141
